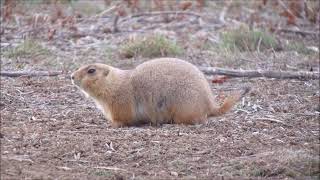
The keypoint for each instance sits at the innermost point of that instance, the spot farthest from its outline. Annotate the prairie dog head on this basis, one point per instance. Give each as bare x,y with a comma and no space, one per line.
90,78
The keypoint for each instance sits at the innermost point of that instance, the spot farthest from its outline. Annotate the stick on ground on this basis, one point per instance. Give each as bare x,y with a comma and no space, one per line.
304,75
160,13
298,32
29,73
271,120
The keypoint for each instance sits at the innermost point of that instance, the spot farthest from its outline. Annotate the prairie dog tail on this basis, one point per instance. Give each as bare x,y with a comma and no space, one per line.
229,102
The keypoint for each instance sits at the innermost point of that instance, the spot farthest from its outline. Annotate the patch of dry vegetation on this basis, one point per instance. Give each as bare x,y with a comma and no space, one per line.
28,48
154,45
87,8
243,39
283,163
299,48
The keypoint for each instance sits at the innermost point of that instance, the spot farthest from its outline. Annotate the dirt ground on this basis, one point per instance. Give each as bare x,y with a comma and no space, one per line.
49,130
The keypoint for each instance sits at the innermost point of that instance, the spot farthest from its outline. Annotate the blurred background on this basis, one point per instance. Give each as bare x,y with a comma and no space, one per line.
121,29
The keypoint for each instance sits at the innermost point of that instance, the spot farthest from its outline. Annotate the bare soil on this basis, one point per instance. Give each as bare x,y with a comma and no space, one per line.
49,130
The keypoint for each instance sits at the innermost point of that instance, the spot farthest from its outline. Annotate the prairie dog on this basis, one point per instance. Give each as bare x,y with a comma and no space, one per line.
159,91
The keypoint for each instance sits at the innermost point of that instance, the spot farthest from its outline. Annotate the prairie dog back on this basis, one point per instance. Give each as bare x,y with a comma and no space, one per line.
168,88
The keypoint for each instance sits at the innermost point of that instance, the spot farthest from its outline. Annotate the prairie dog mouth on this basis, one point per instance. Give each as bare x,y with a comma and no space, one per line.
77,84
78,87
73,81
83,92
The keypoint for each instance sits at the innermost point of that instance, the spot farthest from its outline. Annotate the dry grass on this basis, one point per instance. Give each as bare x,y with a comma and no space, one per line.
87,8
299,47
243,39
26,49
154,45
281,163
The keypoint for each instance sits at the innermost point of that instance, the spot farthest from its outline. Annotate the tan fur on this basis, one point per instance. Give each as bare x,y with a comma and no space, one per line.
229,102
164,90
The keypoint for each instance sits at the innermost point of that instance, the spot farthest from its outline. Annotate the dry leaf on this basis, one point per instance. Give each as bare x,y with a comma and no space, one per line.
1,31
74,29
291,19
107,30
107,2
159,5
312,12
57,12
120,11
296,7
173,173
8,9
51,33
220,79
200,4
133,4
185,5
264,2
69,20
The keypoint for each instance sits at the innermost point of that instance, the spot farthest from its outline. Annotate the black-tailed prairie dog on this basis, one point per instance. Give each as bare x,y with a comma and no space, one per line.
159,91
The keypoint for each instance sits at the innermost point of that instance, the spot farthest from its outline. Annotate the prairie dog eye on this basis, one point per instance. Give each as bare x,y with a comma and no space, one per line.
91,71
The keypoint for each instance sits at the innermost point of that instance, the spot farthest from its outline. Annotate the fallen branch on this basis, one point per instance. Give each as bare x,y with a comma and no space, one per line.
160,13
224,11
272,120
282,4
29,73
65,168
110,168
261,73
22,158
303,33
115,24
304,75
105,12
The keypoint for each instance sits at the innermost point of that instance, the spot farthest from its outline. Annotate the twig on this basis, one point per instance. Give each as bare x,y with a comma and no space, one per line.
160,13
207,70
286,8
299,32
304,114
64,168
29,73
243,111
115,24
260,73
22,158
75,160
223,12
32,30
259,43
106,11
271,120
110,168
73,132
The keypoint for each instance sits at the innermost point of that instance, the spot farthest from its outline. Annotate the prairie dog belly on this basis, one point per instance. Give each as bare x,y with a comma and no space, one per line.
151,115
